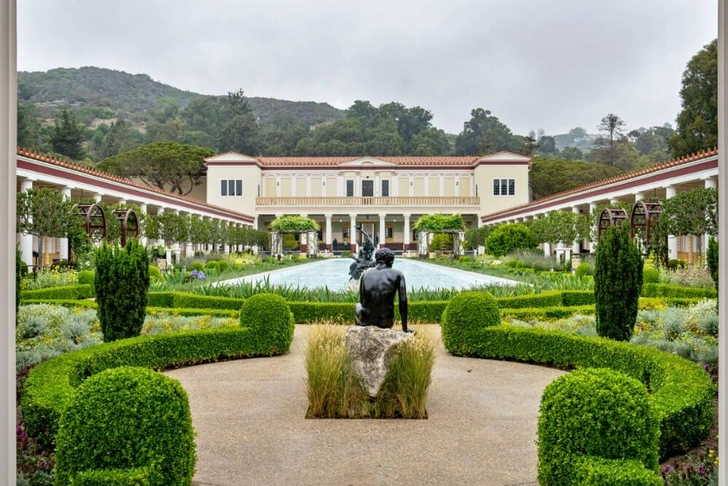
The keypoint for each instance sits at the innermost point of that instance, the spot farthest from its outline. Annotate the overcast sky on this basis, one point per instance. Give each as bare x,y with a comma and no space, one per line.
551,64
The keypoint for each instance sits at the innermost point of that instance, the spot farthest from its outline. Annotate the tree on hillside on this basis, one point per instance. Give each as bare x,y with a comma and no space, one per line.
484,134
571,153
114,139
239,128
67,137
169,166
606,145
551,176
653,143
697,123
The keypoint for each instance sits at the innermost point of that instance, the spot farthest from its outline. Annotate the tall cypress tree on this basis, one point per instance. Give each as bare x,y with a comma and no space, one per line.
617,283
67,137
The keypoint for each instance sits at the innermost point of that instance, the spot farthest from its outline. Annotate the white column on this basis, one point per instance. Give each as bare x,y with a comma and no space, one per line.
143,210
671,191
66,192
382,229
723,237
407,230
592,208
8,114
639,197
303,237
614,200
328,240
123,201
357,185
575,245
377,185
394,190
97,197
710,183
26,241
352,229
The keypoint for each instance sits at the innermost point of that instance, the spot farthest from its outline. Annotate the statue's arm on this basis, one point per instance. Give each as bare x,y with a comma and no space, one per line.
402,293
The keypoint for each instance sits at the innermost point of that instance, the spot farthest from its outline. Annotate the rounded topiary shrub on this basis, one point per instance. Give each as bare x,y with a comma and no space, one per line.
270,319
222,265
465,316
592,414
650,275
86,277
583,270
124,419
154,273
197,266
212,266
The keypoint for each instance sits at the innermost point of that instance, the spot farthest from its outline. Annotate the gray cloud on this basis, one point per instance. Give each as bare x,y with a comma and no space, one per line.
534,63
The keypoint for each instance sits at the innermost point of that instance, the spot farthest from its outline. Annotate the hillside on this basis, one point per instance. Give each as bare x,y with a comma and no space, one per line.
97,93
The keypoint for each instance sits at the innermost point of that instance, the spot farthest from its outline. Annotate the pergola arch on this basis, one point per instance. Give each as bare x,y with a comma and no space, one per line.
94,220
610,217
643,218
129,224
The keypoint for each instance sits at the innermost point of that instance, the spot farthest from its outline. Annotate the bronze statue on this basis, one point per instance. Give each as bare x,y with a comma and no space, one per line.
363,260
376,294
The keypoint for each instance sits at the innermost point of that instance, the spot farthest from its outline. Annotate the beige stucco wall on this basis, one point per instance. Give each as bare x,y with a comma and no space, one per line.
286,185
250,176
484,175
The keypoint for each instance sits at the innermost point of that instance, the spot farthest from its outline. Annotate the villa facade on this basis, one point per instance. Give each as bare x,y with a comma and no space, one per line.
382,195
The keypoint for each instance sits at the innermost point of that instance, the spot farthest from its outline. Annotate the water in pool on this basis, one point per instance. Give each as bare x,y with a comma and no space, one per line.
334,274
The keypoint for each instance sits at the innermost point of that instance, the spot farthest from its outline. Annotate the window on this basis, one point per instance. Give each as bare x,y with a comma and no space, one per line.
231,187
504,187
349,188
385,191
388,232
346,232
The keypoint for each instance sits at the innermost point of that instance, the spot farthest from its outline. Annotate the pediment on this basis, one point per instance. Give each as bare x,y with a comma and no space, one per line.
365,162
504,157
231,157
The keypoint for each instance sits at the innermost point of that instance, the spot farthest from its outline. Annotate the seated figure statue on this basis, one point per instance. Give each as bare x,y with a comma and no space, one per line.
376,294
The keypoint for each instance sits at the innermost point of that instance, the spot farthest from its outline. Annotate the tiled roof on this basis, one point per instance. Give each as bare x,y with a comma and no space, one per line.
620,178
122,180
333,161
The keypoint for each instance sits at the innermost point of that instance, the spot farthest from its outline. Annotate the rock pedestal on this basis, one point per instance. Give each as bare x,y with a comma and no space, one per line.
372,350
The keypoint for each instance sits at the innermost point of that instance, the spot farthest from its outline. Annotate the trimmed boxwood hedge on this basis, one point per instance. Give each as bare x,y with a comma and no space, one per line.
51,384
190,301
667,290
527,314
544,299
681,392
141,476
68,292
595,413
125,418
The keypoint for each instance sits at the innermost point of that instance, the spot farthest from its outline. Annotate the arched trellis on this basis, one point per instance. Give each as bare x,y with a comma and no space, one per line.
642,220
129,224
94,220
610,217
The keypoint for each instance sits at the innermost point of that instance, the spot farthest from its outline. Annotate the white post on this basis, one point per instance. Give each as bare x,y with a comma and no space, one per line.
593,244
671,191
66,192
723,238
382,229
142,238
352,231
575,246
407,230
26,241
8,114
329,239
97,197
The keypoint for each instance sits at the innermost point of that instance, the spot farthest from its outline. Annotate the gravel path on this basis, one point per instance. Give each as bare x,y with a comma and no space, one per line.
249,418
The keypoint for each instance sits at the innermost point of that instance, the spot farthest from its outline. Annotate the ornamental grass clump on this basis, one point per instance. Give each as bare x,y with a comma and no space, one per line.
335,391
617,284
121,281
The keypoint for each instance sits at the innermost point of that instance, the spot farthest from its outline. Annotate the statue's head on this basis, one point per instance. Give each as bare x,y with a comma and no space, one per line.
384,255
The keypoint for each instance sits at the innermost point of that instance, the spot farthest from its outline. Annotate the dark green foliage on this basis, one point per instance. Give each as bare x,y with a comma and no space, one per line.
21,269
141,476
122,280
67,292
86,277
544,299
222,265
681,392
67,137
576,297
650,275
508,238
667,290
597,413
212,266
271,321
51,384
584,269
465,317
187,300
197,266
551,176
127,418
556,312
712,260
617,284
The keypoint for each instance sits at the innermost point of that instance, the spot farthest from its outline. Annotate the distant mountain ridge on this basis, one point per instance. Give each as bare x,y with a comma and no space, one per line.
106,93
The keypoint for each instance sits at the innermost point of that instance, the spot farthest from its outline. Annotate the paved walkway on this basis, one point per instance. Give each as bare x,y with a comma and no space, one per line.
251,430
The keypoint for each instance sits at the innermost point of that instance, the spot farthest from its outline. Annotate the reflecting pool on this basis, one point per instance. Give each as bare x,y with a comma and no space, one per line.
334,274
